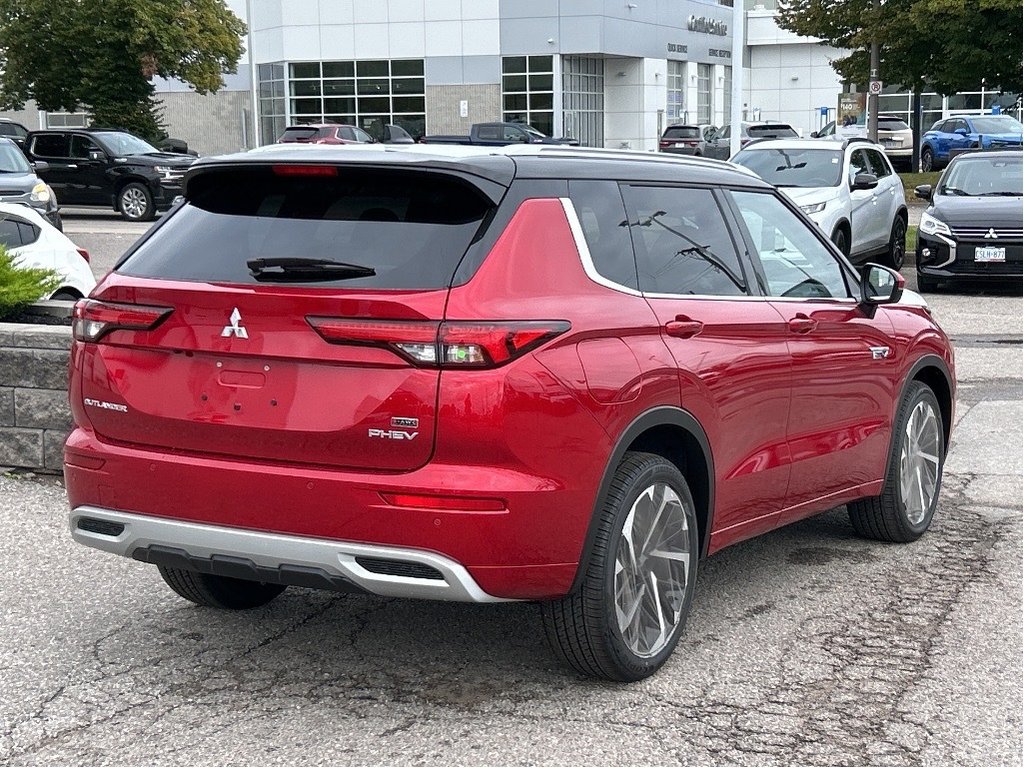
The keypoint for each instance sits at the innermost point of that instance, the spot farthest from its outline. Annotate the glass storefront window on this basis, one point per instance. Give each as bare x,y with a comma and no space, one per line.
527,87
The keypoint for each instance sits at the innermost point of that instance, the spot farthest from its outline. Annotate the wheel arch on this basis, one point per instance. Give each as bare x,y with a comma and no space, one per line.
677,436
932,371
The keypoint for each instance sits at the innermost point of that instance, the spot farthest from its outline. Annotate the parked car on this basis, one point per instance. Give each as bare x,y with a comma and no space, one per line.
34,242
893,134
682,139
325,133
720,145
483,376
16,132
849,189
972,227
498,135
109,168
20,184
948,137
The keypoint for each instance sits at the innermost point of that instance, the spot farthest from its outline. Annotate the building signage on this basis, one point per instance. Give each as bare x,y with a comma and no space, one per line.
676,48
718,53
707,25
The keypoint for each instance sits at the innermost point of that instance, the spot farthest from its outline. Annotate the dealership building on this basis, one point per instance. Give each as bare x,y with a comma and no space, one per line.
609,74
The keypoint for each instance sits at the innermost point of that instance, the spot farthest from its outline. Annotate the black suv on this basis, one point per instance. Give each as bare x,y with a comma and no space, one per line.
94,166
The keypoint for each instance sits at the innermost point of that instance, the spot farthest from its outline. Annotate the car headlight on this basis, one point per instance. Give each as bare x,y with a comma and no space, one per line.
932,226
40,193
813,208
163,170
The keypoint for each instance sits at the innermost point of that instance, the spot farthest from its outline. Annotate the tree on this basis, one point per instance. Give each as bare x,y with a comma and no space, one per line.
950,45
103,54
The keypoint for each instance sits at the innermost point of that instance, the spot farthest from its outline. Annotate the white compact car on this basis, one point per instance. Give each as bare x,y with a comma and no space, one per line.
37,243
848,188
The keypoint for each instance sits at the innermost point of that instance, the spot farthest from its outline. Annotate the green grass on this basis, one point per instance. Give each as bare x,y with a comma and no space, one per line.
911,239
911,180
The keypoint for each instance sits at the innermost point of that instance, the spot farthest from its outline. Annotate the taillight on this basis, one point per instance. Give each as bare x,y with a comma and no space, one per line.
83,253
449,344
95,319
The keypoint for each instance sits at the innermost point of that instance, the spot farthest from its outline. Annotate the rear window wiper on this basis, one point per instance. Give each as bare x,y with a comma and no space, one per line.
302,269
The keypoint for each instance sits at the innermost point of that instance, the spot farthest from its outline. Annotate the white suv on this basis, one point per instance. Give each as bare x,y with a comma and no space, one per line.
848,188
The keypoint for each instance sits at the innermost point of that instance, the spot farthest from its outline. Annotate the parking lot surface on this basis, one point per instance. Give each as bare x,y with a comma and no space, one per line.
805,646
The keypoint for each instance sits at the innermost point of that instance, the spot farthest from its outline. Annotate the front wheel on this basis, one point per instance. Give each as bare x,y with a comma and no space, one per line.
898,244
911,492
624,620
841,240
212,591
135,202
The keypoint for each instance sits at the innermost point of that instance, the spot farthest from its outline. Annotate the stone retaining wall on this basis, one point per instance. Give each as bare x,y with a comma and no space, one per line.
34,414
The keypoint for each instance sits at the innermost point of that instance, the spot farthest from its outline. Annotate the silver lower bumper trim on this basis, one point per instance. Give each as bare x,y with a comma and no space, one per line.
273,550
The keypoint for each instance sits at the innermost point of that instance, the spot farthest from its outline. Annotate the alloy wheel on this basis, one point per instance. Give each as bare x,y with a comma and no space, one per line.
898,246
134,203
919,462
652,570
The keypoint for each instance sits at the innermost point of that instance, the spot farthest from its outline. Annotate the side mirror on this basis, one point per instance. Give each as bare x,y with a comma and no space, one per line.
865,181
40,166
960,131
814,134
880,285
97,155
923,191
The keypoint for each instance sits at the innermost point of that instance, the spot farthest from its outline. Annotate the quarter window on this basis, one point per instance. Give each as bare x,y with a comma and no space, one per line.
603,219
796,264
682,243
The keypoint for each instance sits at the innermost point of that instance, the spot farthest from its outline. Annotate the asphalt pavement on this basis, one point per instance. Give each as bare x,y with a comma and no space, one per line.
805,646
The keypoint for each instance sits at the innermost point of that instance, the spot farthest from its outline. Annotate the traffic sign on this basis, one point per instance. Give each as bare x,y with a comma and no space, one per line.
875,87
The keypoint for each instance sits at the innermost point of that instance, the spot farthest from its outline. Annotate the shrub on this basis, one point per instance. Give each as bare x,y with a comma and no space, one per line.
20,286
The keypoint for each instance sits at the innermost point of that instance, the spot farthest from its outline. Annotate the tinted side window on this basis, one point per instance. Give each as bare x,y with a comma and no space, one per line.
81,146
878,165
51,145
796,264
682,243
858,164
603,219
489,132
29,232
345,132
10,233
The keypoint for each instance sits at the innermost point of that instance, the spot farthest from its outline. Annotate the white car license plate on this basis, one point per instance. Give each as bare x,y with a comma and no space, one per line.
989,254
892,143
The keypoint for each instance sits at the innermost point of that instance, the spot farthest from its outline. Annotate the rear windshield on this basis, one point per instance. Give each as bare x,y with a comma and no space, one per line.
682,132
412,228
892,124
772,132
299,134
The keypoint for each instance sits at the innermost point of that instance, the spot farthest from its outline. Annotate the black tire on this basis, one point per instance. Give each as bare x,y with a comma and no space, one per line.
897,255
219,591
841,240
927,160
65,295
58,222
887,517
926,284
135,202
582,627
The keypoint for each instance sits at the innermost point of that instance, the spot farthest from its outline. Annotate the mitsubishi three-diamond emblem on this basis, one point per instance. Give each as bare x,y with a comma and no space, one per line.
234,328
991,234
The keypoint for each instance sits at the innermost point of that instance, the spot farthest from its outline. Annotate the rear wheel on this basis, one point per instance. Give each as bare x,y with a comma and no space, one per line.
927,160
625,619
219,591
911,492
65,294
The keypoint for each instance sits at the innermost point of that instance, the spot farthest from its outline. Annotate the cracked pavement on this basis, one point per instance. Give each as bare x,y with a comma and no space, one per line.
805,646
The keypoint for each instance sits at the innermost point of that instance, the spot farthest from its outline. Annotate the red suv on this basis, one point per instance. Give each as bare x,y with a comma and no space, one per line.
528,374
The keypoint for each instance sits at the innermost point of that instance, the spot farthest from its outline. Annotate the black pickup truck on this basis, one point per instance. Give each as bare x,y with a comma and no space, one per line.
499,135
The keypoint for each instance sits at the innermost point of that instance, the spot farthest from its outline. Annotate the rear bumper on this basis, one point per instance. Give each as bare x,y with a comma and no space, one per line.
274,558
529,550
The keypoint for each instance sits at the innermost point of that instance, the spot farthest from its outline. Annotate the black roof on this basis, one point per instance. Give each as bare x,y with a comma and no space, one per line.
503,164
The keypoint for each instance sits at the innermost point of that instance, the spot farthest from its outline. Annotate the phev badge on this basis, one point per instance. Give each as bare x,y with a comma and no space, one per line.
235,327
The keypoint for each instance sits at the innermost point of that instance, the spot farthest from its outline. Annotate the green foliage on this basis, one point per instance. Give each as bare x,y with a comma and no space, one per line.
20,286
102,54
946,45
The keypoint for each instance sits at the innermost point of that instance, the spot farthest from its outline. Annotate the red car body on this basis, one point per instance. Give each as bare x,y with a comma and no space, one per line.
775,407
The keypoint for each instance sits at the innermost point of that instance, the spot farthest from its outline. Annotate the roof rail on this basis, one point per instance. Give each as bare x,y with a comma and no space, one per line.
856,140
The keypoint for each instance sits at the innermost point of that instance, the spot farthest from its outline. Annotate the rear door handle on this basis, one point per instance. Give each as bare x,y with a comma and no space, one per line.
802,324
683,327
71,166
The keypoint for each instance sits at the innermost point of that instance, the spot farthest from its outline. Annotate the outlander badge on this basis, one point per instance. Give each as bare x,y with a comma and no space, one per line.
234,328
